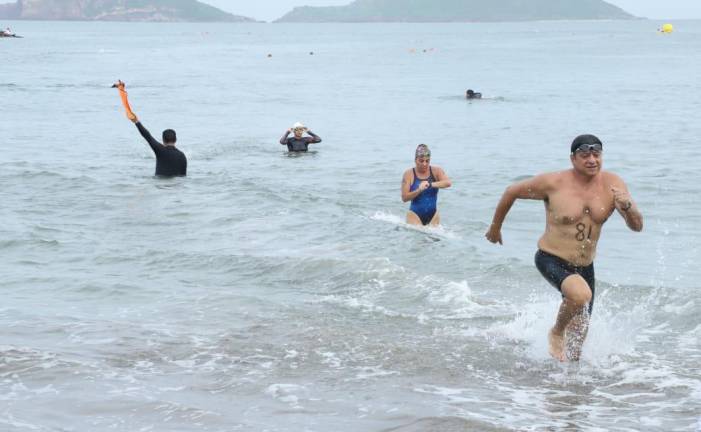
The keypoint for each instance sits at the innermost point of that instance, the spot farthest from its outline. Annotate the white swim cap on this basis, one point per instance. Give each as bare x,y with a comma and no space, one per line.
298,125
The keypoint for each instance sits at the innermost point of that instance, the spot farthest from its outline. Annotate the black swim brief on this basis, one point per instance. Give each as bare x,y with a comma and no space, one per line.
555,270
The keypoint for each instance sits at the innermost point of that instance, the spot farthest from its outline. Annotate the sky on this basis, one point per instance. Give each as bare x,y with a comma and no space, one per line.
269,10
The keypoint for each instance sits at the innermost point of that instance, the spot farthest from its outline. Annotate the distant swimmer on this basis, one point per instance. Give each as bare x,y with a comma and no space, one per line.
578,202
298,142
170,162
470,94
420,186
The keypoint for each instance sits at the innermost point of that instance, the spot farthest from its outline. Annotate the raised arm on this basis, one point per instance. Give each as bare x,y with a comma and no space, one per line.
535,188
625,205
315,138
283,140
155,145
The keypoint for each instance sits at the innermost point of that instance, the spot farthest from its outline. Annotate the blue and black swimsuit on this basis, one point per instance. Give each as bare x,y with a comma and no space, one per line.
424,205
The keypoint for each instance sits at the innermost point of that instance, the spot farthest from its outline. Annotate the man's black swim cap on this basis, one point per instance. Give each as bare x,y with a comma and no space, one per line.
584,139
169,136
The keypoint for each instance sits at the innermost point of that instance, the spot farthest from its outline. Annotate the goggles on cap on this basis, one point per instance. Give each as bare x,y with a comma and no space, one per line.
422,151
594,149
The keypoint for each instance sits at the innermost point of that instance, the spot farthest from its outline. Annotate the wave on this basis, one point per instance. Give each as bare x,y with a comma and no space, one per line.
440,231
446,424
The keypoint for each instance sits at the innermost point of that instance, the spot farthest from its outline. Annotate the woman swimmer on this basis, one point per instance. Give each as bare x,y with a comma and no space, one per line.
420,186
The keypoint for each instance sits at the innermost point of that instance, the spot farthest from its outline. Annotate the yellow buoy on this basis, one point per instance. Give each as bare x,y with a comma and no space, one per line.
667,28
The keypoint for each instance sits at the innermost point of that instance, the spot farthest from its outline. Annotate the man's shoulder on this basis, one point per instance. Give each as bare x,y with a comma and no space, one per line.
173,149
554,177
609,176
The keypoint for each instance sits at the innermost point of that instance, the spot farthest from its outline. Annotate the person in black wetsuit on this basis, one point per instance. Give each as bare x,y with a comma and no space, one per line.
471,94
170,162
299,143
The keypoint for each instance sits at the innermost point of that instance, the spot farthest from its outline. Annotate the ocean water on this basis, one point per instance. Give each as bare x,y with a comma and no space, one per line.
269,292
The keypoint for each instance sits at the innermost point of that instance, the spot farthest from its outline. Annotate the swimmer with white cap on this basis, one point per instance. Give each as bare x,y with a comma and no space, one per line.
298,142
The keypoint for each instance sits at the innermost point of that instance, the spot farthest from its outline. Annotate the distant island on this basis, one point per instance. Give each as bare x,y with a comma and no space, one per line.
117,10
457,11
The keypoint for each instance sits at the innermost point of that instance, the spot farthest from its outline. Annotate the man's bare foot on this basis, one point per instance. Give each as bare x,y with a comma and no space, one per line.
556,346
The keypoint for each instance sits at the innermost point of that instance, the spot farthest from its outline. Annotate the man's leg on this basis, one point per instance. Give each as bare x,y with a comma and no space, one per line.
575,334
577,295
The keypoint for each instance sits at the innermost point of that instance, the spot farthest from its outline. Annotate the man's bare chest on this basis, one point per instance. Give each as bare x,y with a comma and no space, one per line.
568,206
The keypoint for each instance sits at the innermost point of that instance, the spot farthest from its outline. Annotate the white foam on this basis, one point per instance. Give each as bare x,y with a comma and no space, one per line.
610,334
531,325
286,393
452,293
690,340
440,230
371,372
455,300
688,307
453,395
363,304
330,359
387,217
10,420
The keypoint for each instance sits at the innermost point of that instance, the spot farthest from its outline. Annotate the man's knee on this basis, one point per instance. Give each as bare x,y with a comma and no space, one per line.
576,290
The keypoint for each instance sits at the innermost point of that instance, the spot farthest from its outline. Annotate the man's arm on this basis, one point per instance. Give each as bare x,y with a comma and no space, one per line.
155,145
535,188
406,185
625,205
315,138
442,179
283,140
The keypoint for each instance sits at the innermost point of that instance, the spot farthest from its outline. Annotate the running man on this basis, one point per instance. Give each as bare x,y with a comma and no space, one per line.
298,142
420,186
170,162
578,202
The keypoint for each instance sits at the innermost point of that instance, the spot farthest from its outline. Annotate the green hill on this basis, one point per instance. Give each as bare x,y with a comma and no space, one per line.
117,10
457,11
